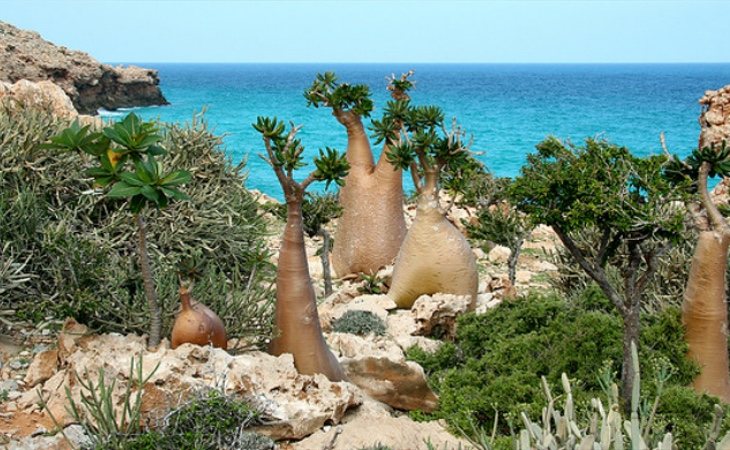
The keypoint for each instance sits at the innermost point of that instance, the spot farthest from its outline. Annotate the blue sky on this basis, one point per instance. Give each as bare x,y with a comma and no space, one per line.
382,31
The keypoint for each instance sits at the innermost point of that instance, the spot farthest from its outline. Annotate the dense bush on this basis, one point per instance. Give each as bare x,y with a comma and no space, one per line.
68,252
209,421
360,323
497,358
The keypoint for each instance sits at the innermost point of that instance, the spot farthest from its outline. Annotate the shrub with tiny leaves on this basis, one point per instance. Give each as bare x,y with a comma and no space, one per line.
359,322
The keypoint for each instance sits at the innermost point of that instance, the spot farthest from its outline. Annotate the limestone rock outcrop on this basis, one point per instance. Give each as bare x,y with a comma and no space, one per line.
295,405
43,94
715,117
25,55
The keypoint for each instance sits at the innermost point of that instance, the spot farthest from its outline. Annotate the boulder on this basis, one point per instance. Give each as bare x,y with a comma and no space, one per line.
90,85
400,384
715,117
43,94
378,366
42,368
436,314
499,254
372,426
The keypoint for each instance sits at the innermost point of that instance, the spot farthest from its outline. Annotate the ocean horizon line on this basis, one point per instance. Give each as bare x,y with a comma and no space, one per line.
302,63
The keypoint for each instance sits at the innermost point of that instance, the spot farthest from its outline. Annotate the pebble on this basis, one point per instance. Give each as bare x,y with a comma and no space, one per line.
24,353
17,364
11,406
40,348
14,395
9,385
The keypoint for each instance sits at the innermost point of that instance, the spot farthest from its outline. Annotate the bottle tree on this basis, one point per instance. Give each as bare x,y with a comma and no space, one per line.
704,307
625,199
296,319
127,169
435,256
372,226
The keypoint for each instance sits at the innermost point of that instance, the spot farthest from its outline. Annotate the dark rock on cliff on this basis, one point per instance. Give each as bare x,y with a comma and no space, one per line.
89,84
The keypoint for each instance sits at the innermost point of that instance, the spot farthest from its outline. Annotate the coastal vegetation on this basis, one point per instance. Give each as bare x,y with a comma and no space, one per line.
66,247
67,219
630,205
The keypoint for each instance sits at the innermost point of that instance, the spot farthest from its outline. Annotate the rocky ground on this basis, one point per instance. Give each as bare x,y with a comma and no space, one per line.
25,55
303,412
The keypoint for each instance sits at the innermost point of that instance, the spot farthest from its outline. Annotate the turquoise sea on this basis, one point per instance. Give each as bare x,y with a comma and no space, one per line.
508,108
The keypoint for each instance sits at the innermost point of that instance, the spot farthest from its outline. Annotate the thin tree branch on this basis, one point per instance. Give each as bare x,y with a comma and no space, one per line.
597,273
713,214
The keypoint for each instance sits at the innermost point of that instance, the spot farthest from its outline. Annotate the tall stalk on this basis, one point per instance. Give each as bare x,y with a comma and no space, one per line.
149,284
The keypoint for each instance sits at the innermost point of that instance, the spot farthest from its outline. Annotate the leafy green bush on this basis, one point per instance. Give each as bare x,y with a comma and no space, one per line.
74,245
497,359
360,323
208,421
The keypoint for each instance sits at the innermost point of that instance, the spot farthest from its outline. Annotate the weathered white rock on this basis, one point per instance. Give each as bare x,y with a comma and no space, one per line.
437,313
370,428
499,254
43,94
336,306
379,367
43,367
297,404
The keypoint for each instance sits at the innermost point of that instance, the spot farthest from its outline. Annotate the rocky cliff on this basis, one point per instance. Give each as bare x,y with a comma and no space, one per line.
89,84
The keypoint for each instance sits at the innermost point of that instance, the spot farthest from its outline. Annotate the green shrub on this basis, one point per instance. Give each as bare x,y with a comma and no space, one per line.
497,359
209,421
360,323
74,246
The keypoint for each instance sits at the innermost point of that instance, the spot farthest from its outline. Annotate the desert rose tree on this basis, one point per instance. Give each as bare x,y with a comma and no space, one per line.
296,319
435,256
625,199
128,170
704,309
372,226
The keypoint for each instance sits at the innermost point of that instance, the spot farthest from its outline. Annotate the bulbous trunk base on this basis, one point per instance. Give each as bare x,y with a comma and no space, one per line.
296,318
197,324
704,314
435,257
372,226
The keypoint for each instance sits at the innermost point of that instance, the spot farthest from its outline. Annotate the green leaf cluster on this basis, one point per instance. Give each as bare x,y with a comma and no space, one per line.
285,153
685,172
416,135
128,141
327,91
599,185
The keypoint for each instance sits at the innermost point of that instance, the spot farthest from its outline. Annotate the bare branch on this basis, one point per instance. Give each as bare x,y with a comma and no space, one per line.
415,177
307,181
713,214
597,273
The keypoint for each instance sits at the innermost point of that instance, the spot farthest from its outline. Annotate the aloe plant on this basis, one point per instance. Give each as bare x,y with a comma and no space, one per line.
127,170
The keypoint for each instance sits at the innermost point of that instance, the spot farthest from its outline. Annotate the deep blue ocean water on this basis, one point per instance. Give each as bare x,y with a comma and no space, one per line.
508,108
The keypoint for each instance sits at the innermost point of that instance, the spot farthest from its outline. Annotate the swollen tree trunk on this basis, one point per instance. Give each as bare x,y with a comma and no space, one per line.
372,226
704,314
296,318
435,257
149,284
325,256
